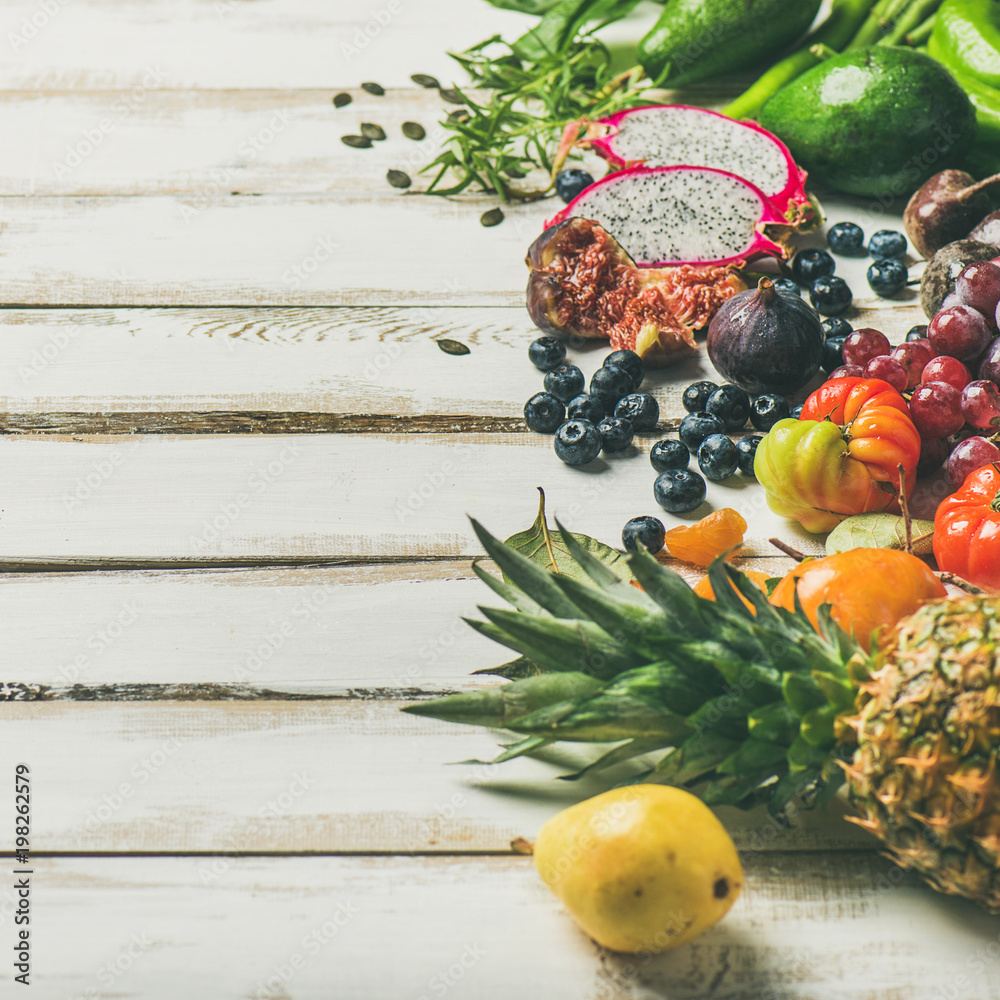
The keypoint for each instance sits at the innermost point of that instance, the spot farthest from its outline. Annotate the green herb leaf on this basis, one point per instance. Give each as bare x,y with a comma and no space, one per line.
564,21
771,584
453,347
879,531
546,548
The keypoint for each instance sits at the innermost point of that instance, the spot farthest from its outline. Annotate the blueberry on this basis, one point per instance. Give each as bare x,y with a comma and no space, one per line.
578,442
787,287
640,408
731,405
679,490
616,433
833,354
767,410
544,413
808,265
746,448
918,332
887,243
830,295
887,276
609,384
836,328
717,457
570,183
666,455
696,396
630,362
547,353
695,427
645,531
565,381
586,408
847,239
797,412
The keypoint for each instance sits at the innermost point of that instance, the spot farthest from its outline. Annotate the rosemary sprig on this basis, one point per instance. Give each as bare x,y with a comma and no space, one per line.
517,126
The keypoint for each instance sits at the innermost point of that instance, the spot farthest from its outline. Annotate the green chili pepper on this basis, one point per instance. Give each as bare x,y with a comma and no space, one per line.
986,101
966,38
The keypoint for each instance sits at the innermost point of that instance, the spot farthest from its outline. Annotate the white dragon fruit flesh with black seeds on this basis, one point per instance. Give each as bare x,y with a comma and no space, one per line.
666,135
681,215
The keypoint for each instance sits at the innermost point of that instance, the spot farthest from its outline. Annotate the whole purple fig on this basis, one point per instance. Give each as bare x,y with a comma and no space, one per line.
764,341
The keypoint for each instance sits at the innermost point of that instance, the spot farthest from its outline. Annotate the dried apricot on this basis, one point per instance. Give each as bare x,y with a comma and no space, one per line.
702,542
703,588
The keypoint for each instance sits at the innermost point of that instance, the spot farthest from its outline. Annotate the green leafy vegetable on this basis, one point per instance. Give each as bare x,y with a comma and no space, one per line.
525,6
879,531
548,550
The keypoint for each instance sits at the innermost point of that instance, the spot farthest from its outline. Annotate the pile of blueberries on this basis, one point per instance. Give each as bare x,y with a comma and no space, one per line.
830,295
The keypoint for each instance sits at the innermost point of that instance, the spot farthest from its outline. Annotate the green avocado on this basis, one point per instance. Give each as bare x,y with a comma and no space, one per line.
876,121
695,40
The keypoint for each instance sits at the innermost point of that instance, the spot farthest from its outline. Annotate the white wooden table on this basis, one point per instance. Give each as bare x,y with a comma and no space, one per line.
233,544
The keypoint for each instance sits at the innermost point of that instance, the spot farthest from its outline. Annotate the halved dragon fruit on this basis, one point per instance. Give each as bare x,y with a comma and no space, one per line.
683,215
665,135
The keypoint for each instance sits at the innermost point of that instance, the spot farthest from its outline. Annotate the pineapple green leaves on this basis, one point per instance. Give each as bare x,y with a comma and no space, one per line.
742,704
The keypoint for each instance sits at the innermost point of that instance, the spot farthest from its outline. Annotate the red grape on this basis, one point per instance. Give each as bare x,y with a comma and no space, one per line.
863,345
981,404
889,370
978,286
847,371
989,367
971,454
933,452
913,357
945,369
959,332
936,408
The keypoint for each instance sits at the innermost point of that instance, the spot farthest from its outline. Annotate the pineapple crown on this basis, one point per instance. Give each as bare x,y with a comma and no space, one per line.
744,697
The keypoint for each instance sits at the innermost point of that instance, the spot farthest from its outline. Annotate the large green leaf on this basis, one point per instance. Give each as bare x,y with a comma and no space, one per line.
879,531
545,547
564,21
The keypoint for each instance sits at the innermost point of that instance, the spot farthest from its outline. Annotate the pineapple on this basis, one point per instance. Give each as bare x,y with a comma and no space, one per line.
751,706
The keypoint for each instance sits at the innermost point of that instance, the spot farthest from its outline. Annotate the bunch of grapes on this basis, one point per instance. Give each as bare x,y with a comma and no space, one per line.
951,371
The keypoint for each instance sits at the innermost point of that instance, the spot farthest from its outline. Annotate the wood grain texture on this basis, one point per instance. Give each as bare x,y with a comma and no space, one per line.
338,775
310,631
310,370
355,249
324,497
817,926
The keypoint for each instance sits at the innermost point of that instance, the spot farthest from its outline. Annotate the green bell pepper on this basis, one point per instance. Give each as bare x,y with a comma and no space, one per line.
966,38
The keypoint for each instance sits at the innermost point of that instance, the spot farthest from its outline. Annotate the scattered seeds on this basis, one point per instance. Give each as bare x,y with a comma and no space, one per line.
374,132
398,179
425,80
357,141
459,116
491,218
341,100
452,96
414,130
453,346
374,88
514,174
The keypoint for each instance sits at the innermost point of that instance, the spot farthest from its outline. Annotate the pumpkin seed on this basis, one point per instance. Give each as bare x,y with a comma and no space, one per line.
452,96
398,179
453,346
459,116
373,132
491,218
341,100
425,80
515,174
374,88
356,141
414,130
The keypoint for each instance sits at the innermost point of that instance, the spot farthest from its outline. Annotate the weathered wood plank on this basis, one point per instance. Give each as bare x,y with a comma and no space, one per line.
817,926
296,776
308,249
314,370
324,496
319,631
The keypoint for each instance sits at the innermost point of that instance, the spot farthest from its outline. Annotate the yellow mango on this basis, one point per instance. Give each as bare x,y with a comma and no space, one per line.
643,868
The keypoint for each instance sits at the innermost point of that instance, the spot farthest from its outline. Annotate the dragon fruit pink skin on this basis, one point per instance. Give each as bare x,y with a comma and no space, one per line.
646,210
663,135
